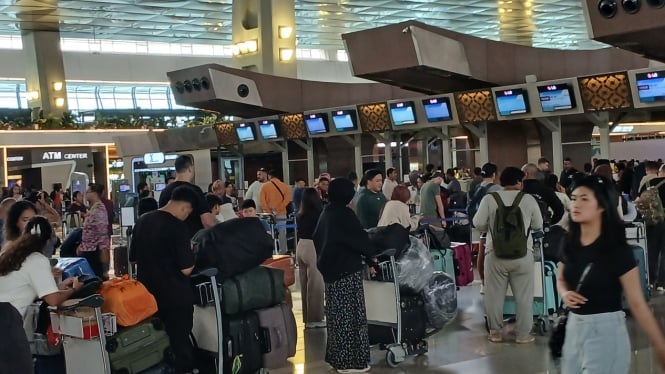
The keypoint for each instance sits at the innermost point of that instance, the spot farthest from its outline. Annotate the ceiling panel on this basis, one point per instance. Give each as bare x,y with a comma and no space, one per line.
541,23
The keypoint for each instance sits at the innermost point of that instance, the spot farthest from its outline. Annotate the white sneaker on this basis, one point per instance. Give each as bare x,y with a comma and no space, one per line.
482,289
364,370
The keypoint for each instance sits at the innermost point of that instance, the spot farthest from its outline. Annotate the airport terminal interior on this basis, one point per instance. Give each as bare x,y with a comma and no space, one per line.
114,91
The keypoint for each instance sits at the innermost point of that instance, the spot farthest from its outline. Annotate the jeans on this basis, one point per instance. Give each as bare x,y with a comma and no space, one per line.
283,243
178,322
596,344
656,251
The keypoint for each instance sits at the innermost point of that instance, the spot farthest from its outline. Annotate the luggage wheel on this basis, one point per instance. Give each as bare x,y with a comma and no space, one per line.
542,326
395,355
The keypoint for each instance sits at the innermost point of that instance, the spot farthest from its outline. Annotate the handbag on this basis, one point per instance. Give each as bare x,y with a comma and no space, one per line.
559,330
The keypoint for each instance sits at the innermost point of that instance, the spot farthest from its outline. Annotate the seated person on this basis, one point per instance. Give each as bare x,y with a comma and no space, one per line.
248,208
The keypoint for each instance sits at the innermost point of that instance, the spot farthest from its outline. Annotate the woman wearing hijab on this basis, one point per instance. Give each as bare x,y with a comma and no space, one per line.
341,244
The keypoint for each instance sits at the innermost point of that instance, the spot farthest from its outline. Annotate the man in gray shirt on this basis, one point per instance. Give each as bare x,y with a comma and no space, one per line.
255,188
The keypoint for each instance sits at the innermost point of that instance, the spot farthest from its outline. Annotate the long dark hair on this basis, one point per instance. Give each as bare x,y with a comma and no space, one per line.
10,228
36,235
612,226
311,204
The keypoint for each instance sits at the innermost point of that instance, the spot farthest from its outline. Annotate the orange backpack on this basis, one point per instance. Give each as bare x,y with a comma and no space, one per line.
128,299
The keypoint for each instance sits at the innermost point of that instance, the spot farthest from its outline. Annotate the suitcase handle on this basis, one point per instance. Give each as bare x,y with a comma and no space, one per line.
267,343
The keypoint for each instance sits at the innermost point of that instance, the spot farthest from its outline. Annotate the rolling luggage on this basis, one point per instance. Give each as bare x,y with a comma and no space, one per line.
551,296
643,269
443,261
284,263
414,323
463,263
138,348
279,334
120,260
74,266
242,341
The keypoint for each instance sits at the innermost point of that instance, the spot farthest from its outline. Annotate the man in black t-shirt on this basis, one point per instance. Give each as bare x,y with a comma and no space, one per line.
184,174
161,248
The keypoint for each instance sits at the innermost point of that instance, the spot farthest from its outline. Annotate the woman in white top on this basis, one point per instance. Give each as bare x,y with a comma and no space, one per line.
25,273
396,210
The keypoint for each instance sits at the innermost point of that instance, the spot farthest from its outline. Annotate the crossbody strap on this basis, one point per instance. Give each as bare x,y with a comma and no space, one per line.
278,189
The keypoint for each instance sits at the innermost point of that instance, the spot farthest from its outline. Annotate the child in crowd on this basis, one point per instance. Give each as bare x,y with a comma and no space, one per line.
248,208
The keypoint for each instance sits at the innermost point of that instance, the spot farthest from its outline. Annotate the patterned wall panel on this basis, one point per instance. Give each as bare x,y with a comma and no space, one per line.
605,92
475,106
226,134
293,126
374,117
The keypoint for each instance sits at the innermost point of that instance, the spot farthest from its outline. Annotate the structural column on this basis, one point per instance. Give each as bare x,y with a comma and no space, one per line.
45,73
446,152
554,126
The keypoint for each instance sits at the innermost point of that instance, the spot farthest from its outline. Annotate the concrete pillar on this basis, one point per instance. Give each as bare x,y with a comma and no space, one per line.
604,141
554,125
446,152
358,155
261,38
285,163
44,73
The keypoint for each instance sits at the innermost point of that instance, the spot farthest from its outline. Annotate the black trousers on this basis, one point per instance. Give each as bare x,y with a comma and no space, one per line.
656,253
95,262
178,322
15,354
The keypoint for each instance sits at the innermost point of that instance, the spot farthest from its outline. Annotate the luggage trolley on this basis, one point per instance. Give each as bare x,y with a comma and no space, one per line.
383,307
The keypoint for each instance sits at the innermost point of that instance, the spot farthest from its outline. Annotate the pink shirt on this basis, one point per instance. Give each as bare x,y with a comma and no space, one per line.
95,229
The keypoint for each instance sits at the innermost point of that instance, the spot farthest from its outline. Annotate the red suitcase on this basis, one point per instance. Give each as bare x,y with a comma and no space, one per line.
463,263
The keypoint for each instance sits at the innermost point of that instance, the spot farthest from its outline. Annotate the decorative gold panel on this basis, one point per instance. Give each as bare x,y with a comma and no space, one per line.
605,92
226,134
475,106
293,126
374,117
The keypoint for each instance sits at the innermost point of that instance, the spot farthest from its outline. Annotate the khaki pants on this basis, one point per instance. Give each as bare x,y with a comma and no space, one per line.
311,282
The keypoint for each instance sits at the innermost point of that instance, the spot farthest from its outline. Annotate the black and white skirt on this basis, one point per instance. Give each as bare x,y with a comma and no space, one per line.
348,341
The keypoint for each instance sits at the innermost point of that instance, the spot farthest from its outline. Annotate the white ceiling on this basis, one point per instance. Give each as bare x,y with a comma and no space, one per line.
542,23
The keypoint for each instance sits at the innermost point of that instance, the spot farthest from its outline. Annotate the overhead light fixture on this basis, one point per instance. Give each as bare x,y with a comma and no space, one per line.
252,45
285,54
59,102
285,32
57,86
32,95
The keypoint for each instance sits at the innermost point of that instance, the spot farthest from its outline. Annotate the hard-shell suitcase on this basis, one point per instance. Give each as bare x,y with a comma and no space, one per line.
443,261
139,347
552,300
278,326
284,263
643,269
463,263
242,340
414,323
120,260
258,288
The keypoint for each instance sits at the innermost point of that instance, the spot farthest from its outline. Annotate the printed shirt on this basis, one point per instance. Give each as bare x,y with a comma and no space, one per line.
95,229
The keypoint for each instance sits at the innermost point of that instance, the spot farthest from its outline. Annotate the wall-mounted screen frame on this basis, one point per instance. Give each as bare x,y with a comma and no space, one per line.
269,129
402,113
317,123
437,109
556,97
345,120
512,101
245,131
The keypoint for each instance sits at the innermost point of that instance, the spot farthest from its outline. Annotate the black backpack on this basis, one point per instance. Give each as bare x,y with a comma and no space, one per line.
474,200
544,210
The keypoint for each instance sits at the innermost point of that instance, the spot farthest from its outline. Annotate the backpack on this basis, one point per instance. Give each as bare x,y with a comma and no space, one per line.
651,206
544,210
474,200
509,236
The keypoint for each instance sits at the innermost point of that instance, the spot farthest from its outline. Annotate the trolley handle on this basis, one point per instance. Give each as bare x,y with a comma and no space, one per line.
92,301
208,273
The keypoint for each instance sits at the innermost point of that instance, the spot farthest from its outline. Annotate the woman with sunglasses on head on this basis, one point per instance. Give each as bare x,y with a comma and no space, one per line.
597,340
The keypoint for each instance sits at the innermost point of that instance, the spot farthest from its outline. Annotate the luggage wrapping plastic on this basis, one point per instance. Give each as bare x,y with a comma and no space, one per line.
415,266
129,300
394,236
232,247
440,297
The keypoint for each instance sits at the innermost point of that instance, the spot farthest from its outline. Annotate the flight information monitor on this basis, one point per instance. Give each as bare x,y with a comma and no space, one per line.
268,129
403,113
555,97
512,102
437,109
344,120
245,132
316,123
651,86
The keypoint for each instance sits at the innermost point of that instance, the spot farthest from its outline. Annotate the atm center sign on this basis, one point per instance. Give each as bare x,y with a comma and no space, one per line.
55,156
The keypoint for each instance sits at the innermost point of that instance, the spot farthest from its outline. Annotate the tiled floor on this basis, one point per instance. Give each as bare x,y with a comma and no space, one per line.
462,347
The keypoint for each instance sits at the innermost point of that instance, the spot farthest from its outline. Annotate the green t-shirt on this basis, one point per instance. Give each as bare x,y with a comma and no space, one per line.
428,206
368,207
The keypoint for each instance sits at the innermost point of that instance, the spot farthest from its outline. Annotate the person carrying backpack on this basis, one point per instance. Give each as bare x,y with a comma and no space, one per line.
650,206
545,196
509,217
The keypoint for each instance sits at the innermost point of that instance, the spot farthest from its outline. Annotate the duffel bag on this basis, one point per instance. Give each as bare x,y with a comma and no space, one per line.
284,263
129,300
260,287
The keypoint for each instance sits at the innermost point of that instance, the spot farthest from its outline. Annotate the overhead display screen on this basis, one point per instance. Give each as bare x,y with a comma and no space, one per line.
316,123
512,102
344,120
268,130
651,86
245,132
402,113
437,109
555,97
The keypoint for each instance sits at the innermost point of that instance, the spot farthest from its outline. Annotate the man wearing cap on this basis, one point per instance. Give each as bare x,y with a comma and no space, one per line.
371,199
431,205
254,190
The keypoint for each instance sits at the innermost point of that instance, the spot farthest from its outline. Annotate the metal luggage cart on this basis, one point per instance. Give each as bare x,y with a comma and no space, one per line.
383,308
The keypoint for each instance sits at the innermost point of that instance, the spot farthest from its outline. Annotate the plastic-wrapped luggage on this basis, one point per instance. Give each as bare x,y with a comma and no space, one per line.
415,266
233,246
394,236
440,298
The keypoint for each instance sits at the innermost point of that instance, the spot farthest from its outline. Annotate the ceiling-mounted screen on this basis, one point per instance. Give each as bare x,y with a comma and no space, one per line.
245,131
651,86
512,102
317,123
403,113
555,97
268,129
344,120
437,109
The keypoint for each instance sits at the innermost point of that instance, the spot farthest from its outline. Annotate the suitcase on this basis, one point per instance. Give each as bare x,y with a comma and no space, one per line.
242,339
138,348
258,288
641,260
443,261
553,302
120,261
414,323
284,263
279,333
74,266
463,263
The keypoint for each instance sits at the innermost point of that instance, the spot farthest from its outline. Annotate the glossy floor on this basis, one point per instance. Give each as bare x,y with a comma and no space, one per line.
462,347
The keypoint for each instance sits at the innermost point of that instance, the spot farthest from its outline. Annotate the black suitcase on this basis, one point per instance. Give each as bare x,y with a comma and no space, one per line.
414,323
120,260
242,341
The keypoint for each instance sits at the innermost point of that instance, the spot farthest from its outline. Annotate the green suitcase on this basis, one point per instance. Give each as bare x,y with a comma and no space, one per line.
443,261
137,348
258,288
